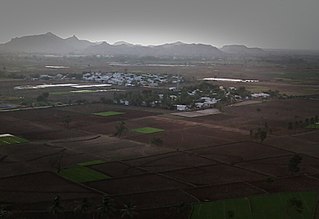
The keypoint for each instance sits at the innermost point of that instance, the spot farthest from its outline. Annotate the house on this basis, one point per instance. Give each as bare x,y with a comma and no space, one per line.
173,97
181,107
205,102
260,95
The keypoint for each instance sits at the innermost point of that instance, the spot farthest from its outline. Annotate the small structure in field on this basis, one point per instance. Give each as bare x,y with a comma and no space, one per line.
181,107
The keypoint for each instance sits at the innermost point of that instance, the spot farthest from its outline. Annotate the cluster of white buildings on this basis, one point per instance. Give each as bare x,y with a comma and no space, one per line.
231,80
201,103
131,79
206,102
260,95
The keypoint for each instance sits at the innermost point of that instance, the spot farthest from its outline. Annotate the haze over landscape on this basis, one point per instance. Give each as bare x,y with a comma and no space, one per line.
159,109
285,24
49,43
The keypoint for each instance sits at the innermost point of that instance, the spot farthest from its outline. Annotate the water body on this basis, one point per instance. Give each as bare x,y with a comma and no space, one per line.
231,80
42,86
56,66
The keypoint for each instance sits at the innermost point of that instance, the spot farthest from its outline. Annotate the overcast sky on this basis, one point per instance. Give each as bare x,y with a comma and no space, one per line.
290,24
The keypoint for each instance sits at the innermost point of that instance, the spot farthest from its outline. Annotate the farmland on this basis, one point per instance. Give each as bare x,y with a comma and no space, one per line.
108,113
81,174
197,160
280,205
10,139
148,130
166,164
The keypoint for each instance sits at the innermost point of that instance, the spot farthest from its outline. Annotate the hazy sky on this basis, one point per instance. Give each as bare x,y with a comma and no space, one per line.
264,23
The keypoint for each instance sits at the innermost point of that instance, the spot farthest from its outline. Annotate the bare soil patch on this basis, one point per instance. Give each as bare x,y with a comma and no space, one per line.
238,152
291,184
312,136
295,144
37,187
232,190
117,169
277,114
279,166
214,175
169,161
157,198
199,113
112,148
190,137
136,184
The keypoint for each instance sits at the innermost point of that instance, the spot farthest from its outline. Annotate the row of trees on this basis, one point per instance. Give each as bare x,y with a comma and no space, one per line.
261,133
106,209
86,209
303,123
168,98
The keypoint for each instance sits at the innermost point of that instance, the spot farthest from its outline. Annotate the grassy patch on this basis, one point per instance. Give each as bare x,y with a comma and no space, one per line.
82,174
4,140
148,130
73,92
91,162
108,113
275,206
302,75
60,93
313,126
84,91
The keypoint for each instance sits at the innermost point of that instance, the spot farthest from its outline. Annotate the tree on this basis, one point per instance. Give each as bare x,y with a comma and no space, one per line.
230,214
220,106
107,208
294,163
261,134
183,209
251,133
294,206
5,212
43,97
306,121
290,125
83,206
128,211
58,162
157,141
67,120
56,206
120,129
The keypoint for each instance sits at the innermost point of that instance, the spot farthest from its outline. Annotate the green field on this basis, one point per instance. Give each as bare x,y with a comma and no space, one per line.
4,140
91,162
60,93
108,113
85,91
274,206
73,92
313,126
82,174
148,130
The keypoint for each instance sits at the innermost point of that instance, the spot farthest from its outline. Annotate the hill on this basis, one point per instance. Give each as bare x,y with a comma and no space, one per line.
242,50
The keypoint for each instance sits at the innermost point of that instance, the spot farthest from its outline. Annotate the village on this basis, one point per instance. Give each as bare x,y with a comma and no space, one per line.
126,79
189,98
166,91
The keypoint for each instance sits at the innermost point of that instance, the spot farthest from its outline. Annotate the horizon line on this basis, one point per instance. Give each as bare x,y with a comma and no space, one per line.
159,44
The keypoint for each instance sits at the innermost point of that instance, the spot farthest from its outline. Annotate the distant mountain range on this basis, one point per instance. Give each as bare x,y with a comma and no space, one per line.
242,50
49,43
